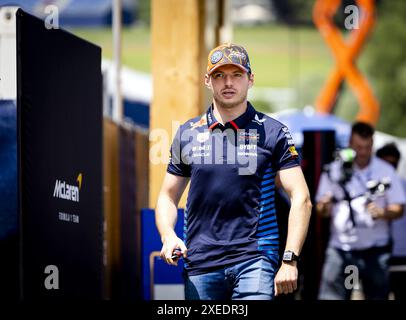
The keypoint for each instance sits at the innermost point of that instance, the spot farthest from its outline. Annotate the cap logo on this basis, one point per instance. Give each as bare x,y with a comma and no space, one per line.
216,56
238,57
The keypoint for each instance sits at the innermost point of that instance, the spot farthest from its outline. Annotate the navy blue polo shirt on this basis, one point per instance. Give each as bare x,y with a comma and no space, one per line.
230,212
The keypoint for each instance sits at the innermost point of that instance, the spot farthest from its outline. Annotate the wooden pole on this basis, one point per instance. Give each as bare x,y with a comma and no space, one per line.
177,51
117,97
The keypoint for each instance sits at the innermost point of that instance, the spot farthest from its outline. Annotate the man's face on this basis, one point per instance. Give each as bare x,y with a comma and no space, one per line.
229,85
363,148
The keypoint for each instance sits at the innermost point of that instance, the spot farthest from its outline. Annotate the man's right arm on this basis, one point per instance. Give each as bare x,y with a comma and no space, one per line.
166,215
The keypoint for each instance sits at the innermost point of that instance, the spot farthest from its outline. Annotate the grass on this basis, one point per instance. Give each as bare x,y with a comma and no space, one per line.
136,45
280,56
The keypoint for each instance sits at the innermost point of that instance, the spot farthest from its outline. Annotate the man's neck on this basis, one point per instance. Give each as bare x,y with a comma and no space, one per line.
363,165
224,115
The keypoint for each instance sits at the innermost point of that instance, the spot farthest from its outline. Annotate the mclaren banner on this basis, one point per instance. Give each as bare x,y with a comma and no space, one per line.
59,162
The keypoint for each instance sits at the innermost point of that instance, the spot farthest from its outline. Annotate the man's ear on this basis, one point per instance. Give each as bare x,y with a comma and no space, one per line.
207,81
251,80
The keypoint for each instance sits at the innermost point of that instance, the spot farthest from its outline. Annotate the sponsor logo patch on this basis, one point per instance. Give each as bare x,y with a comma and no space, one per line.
293,152
216,56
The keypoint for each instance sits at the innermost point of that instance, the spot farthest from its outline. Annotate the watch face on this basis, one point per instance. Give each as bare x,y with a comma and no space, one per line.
288,256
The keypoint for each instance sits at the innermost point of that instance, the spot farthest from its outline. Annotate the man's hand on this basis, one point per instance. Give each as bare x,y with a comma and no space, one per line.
325,205
286,278
166,215
375,211
169,244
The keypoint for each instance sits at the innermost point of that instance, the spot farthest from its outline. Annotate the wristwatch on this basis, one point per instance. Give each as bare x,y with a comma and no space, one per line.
289,256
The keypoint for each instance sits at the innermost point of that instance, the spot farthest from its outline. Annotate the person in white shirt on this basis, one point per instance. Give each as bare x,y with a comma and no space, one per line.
391,154
360,221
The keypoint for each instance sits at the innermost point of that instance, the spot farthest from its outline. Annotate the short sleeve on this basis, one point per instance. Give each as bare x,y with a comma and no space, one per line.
285,153
176,164
396,193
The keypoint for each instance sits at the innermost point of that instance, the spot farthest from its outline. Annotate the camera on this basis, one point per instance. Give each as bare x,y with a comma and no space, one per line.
344,159
377,188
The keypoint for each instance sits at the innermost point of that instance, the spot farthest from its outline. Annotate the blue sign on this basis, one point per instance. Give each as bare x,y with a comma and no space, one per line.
154,270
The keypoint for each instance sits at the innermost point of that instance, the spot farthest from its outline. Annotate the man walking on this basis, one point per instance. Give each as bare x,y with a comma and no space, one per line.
233,156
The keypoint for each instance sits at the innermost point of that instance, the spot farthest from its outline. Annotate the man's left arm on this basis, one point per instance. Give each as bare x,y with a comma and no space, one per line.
391,212
293,182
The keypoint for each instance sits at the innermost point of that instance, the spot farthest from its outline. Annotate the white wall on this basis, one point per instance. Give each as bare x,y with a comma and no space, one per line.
381,138
8,67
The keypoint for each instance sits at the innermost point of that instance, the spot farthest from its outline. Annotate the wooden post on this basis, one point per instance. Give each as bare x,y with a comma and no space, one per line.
111,191
177,43
183,33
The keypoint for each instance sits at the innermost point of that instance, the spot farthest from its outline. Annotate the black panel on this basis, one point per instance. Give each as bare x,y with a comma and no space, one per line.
59,100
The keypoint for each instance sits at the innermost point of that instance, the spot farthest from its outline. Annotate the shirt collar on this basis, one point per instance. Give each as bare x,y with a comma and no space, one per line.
238,123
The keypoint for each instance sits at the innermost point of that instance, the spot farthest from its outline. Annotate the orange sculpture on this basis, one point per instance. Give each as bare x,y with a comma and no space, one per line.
345,54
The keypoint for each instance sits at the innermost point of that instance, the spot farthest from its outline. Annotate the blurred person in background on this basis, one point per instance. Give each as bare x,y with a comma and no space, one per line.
391,154
360,220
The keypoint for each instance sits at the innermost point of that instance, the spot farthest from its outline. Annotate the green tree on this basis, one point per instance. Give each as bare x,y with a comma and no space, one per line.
386,66
144,11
